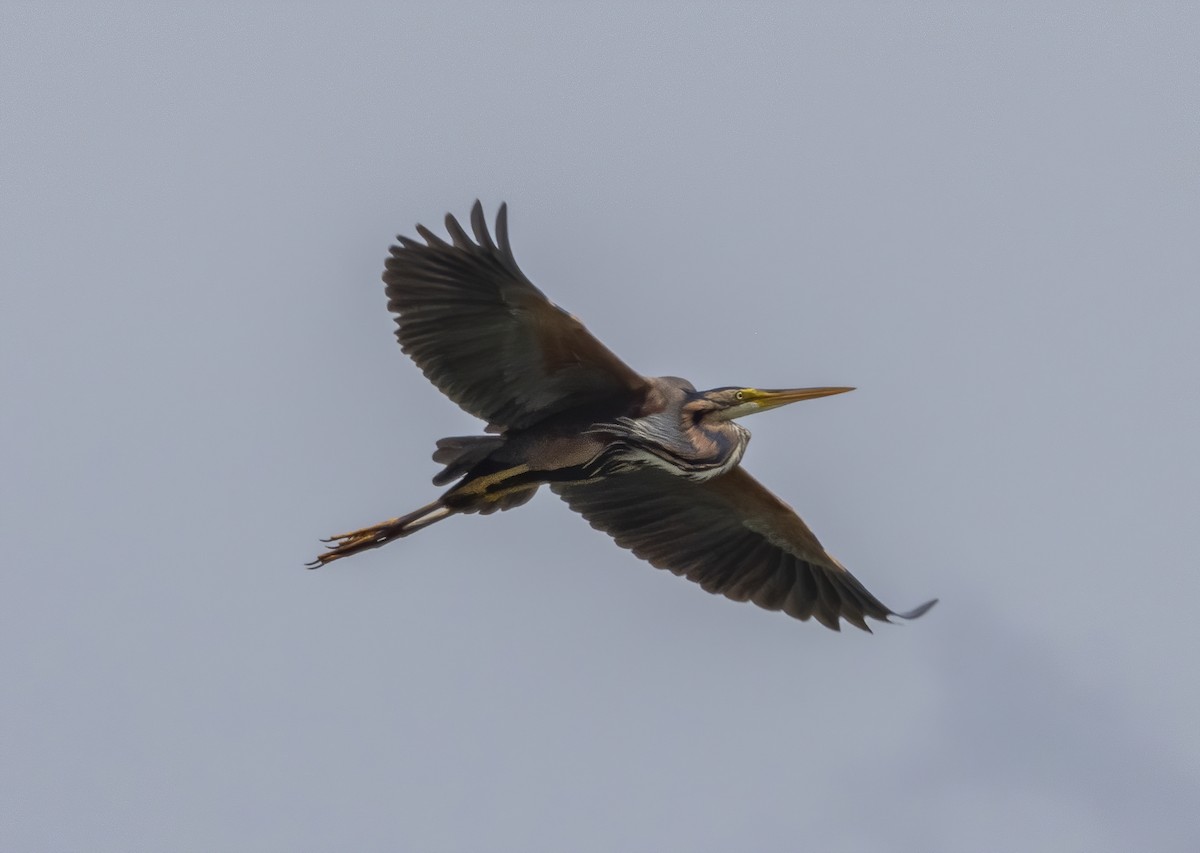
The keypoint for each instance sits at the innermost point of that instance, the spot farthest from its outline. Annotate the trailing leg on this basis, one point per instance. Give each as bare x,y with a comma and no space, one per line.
366,538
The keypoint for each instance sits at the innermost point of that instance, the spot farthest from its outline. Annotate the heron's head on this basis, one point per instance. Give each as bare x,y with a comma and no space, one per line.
728,403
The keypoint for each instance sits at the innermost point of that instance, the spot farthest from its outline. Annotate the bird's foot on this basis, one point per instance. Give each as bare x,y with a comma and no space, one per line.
347,544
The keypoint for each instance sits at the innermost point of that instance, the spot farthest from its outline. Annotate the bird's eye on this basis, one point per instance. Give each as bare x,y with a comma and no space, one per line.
740,395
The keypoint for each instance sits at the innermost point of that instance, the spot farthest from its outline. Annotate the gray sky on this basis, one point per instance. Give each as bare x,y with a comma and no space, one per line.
986,220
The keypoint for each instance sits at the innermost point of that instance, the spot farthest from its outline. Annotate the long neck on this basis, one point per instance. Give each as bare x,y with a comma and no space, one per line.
718,444
679,442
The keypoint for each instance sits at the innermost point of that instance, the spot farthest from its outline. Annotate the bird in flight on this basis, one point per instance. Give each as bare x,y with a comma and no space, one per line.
650,461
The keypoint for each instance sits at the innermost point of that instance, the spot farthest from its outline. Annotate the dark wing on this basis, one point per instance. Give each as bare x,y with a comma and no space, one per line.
486,337
730,535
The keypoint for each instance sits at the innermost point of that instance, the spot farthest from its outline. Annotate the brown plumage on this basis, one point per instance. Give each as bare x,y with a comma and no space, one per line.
648,460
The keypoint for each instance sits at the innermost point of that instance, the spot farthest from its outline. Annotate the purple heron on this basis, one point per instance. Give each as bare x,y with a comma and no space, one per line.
650,461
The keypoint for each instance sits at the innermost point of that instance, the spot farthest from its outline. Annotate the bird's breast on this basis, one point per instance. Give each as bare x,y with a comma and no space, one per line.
696,453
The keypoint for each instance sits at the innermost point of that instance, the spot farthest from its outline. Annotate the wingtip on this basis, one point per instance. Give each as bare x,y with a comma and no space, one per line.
432,240
479,226
457,234
502,233
918,612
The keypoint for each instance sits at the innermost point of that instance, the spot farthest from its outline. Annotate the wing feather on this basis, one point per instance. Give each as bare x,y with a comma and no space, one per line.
487,337
731,536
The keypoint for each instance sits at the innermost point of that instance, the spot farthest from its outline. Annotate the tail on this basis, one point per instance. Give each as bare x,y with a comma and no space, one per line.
462,453
349,544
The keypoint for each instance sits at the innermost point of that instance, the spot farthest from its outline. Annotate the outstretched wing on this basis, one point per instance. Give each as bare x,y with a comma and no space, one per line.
731,536
486,337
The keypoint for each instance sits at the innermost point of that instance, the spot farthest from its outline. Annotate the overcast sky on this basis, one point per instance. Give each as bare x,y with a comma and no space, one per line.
986,220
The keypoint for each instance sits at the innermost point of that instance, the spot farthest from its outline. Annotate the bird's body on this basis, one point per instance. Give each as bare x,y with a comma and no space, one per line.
650,460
